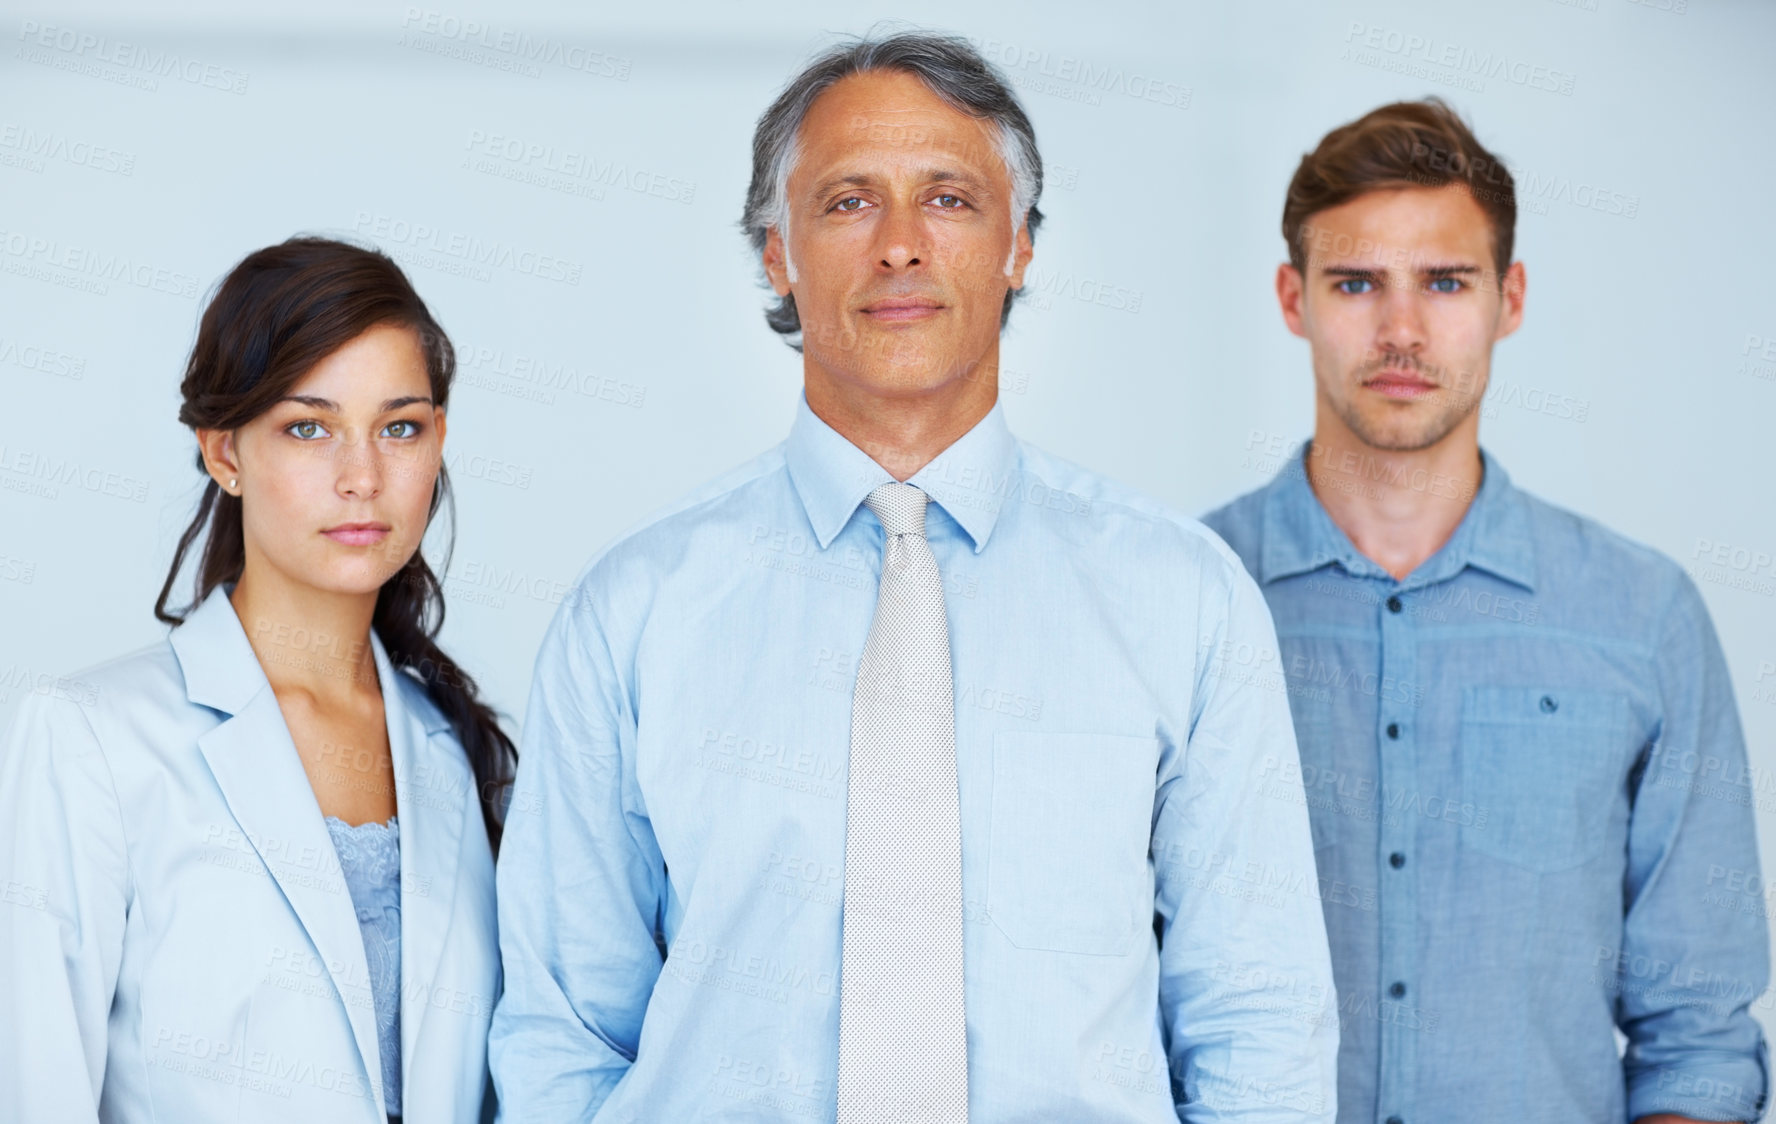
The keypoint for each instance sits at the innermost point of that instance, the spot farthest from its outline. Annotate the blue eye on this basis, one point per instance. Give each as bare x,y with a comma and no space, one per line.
1446,285
305,430
1348,285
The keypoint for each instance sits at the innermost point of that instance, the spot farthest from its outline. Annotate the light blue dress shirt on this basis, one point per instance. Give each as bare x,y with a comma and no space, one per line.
1532,812
672,876
370,858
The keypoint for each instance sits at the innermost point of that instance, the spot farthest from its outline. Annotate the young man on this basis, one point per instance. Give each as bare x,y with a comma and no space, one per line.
892,777
1517,735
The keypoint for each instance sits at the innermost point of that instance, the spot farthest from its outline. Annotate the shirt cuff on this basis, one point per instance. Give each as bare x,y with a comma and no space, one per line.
1717,1088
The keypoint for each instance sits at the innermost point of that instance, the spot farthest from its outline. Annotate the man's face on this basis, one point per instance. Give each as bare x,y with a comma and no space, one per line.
900,246
1401,301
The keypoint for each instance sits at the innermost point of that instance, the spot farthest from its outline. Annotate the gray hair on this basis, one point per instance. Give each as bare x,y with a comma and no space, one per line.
953,70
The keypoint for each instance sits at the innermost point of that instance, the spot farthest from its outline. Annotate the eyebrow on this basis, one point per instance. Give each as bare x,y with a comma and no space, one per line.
1427,271
933,175
332,407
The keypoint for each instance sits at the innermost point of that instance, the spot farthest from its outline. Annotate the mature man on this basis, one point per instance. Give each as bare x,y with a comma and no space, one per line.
898,775
1517,733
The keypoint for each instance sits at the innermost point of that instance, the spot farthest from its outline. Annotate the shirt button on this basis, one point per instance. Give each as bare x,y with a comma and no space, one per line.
1396,989
1393,604
1549,705
1395,1120
1396,860
1393,729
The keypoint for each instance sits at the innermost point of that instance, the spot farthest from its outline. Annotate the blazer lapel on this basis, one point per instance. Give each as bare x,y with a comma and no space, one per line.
256,766
432,784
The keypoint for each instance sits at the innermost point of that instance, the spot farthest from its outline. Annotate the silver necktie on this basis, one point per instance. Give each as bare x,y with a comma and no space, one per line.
903,1047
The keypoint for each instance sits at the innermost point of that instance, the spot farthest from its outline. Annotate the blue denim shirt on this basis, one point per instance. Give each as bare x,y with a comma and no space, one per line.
671,881
1531,812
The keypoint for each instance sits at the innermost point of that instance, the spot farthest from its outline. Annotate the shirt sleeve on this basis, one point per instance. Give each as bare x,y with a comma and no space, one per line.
580,884
1246,994
64,900
1695,943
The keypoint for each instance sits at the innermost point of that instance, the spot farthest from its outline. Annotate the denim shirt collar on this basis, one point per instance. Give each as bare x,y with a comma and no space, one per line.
969,480
1299,536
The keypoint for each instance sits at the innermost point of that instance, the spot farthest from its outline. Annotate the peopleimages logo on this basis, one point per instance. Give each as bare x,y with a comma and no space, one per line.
472,256
575,166
1488,179
46,360
1369,44
83,52
29,147
47,259
455,37
1078,79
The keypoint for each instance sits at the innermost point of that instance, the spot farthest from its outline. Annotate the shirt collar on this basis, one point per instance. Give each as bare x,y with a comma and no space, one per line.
969,480
1500,541
1299,536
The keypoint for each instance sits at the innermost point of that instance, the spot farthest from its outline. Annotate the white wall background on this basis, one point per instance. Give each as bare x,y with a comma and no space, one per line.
1641,389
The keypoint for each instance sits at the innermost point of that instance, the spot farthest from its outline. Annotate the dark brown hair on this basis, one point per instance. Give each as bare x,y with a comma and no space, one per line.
1405,144
279,312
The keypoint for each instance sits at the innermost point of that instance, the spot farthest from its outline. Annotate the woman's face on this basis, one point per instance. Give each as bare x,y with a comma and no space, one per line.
336,478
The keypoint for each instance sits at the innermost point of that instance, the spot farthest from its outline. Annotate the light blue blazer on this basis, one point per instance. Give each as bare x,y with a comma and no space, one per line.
177,942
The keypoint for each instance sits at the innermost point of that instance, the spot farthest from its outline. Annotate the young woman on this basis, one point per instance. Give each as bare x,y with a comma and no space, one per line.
248,871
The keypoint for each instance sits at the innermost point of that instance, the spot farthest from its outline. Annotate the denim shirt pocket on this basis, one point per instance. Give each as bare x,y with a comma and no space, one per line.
1070,831
1544,769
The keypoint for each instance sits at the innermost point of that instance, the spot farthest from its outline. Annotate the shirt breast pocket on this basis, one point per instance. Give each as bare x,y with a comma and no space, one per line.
1071,824
1545,770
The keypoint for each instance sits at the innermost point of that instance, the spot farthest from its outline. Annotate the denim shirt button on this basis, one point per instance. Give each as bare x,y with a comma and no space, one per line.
1549,705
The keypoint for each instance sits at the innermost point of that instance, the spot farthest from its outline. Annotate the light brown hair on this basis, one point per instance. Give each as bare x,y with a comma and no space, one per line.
1403,144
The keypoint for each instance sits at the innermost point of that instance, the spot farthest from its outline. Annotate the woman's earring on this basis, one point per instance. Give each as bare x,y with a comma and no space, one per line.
232,480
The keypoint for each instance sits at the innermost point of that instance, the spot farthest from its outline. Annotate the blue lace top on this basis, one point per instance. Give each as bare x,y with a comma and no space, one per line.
370,857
